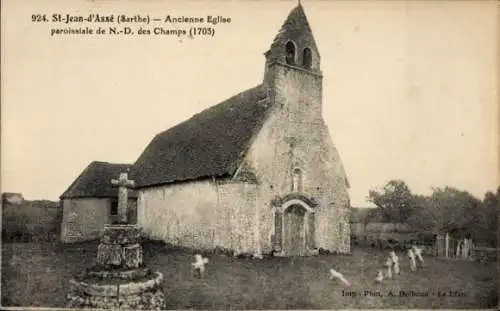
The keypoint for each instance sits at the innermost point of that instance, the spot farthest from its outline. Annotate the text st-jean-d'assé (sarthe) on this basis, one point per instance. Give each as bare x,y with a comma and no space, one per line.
158,25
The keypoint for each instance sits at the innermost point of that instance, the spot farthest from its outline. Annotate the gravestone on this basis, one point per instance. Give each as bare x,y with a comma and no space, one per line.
119,278
74,227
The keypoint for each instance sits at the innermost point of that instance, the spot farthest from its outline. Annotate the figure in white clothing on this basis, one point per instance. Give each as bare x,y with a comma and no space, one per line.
380,276
418,254
411,256
199,265
395,262
337,275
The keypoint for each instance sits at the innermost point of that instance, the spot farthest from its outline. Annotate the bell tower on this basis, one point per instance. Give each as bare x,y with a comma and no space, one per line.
292,70
294,45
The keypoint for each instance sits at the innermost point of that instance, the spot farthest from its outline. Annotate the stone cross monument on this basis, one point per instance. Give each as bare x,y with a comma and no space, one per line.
123,184
119,278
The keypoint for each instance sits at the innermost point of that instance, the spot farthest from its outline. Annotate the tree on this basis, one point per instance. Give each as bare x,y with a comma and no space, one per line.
488,226
395,201
456,210
446,209
424,218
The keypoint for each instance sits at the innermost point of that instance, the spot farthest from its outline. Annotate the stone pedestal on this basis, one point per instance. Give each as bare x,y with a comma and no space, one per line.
119,278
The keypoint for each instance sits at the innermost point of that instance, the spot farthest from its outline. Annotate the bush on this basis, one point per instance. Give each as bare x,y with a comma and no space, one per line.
19,236
15,236
222,251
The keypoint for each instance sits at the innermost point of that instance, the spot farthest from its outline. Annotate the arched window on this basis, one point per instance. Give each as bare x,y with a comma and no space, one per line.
297,180
290,53
341,229
307,58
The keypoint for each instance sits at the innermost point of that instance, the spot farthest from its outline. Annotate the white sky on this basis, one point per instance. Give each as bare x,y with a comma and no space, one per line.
410,87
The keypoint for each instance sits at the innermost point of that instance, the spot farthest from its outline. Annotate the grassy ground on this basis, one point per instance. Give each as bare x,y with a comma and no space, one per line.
38,275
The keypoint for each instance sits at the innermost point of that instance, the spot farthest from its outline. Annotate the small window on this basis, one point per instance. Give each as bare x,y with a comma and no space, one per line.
290,53
297,180
114,208
307,58
341,228
73,216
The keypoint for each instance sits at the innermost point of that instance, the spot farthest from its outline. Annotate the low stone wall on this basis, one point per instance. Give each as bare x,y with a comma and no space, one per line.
146,294
119,278
31,221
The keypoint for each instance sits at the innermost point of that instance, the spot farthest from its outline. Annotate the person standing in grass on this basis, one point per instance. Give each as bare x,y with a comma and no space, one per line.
418,254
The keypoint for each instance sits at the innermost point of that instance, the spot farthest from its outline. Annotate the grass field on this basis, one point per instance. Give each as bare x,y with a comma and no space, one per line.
37,275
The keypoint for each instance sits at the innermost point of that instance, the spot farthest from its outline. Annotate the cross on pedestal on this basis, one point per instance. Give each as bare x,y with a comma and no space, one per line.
123,184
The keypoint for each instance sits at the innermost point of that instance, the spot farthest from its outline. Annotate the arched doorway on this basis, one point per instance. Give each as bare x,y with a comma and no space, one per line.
294,230
294,225
297,229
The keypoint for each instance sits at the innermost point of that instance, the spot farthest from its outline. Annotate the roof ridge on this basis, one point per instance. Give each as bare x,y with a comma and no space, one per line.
211,108
207,144
95,180
110,163
77,179
242,93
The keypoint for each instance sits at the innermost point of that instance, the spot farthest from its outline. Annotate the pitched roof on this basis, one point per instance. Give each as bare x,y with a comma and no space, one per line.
209,144
95,181
295,28
295,25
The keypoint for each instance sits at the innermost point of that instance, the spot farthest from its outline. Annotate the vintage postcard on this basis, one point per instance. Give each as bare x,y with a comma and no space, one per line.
253,155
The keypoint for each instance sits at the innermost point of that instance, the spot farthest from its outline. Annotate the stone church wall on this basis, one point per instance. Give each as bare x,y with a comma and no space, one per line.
295,136
200,215
239,200
183,214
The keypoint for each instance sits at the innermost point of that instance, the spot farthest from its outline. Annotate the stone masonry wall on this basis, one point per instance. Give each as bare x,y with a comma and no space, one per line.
181,214
201,215
240,202
295,136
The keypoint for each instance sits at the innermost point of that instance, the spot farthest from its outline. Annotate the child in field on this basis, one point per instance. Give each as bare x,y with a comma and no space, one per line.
380,276
418,254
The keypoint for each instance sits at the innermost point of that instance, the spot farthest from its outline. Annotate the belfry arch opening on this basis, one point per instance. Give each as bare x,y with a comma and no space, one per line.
290,53
307,58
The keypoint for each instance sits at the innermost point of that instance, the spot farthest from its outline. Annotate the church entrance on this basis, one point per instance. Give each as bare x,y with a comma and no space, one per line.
294,230
294,226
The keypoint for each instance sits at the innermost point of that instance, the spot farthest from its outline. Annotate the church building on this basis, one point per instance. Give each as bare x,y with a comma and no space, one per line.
91,201
257,173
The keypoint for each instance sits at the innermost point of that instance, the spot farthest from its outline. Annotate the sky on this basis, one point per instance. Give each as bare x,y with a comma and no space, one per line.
410,87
